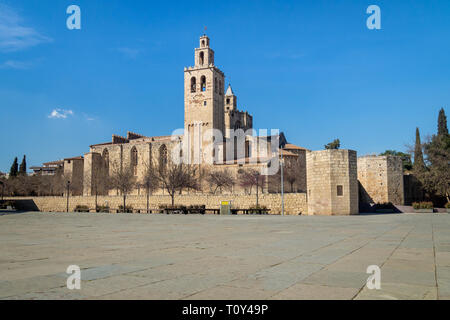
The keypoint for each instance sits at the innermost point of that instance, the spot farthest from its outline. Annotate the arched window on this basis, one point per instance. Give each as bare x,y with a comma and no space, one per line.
237,125
162,156
105,158
201,58
216,89
193,84
203,83
134,160
220,87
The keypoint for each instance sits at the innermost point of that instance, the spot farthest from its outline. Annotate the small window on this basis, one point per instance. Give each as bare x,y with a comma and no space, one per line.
340,191
205,103
193,84
228,101
203,83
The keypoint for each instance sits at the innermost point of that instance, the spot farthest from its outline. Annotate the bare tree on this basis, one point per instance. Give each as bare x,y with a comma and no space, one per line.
292,172
122,179
100,182
219,180
149,182
251,177
176,177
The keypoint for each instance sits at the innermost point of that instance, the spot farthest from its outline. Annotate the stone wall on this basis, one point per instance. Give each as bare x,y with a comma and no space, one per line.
381,179
413,189
295,203
73,171
332,182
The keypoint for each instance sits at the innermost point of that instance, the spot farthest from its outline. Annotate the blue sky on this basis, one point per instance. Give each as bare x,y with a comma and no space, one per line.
310,68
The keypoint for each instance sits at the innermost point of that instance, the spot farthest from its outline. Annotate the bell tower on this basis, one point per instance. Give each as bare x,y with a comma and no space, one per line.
203,100
204,55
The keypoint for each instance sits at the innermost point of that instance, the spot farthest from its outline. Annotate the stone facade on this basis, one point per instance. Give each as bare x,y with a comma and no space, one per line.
413,189
235,119
381,179
73,172
332,182
206,107
294,203
329,177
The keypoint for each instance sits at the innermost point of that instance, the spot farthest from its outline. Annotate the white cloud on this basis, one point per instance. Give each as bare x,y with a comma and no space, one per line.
60,114
14,36
14,64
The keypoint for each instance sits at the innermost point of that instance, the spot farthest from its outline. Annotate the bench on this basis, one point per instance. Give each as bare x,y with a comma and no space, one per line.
250,211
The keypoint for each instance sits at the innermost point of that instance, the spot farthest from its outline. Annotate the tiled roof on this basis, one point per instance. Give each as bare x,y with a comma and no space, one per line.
59,162
290,146
101,144
75,158
285,152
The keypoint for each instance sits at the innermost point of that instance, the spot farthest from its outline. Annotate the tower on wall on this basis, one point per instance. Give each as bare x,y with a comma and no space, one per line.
381,179
332,182
203,100
235,119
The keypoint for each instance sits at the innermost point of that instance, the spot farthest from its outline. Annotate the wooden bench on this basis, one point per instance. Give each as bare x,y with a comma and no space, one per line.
250,211
214,211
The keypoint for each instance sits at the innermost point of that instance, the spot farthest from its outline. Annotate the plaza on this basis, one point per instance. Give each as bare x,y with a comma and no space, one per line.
139,256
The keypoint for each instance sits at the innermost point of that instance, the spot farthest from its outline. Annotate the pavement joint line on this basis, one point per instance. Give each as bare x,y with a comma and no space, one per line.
271,266
138,261
325,266
392,252
139,286
434,257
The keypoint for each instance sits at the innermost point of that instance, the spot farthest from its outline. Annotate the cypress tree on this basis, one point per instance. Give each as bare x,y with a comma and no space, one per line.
23,166
14,169
419,164
442,123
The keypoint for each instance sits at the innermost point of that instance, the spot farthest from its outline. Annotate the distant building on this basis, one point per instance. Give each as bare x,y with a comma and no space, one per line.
48,168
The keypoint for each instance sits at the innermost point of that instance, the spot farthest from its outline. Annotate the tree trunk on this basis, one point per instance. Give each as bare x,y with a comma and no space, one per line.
257,200
148,196
173,198
124,202
96,200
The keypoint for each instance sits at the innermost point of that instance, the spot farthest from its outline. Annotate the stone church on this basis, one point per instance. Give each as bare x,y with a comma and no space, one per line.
208,107
217,135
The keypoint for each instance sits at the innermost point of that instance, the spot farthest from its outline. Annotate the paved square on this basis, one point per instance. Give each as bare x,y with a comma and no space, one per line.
132,256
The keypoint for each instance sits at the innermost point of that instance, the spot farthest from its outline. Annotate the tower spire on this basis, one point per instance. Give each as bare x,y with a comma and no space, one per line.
229,91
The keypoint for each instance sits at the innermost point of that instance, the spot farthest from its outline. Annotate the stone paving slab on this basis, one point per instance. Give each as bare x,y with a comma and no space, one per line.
399,291
302,291
131,256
